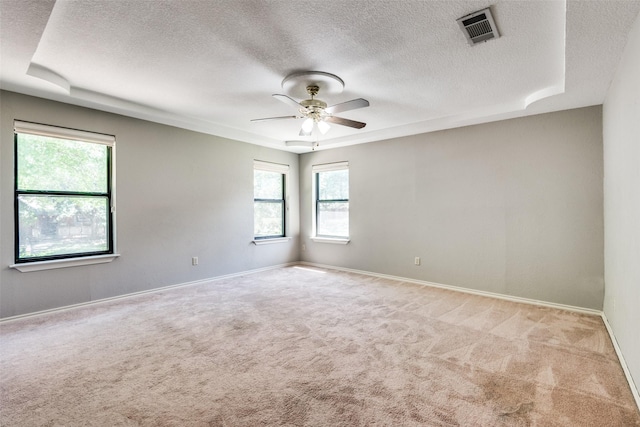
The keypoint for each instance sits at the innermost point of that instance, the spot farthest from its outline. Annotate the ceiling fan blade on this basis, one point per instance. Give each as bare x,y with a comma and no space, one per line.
287,100
345,122
346,106
274,118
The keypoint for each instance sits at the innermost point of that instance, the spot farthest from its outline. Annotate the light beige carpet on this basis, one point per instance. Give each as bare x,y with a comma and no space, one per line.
293,347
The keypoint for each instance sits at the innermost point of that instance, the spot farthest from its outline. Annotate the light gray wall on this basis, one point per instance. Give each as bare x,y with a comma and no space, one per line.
621,128
179,194
513,207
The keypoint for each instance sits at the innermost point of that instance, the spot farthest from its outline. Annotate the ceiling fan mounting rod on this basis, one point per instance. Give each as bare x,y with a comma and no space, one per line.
313,90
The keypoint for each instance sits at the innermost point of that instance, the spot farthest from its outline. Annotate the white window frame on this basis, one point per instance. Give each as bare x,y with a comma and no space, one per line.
284,170
315,169
24,127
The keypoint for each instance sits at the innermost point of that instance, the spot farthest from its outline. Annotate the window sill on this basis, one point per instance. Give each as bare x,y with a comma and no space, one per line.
260,242
63,263
334,240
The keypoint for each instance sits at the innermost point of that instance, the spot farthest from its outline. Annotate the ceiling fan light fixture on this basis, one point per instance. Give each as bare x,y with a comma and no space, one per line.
307,125
323,127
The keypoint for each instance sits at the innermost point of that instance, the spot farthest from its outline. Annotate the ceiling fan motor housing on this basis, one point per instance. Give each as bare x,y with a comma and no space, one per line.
313,108
313,104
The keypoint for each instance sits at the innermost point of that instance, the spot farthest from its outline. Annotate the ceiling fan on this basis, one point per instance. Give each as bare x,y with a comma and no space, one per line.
317,114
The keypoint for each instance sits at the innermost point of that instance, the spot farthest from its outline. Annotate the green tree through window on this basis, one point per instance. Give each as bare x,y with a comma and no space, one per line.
269,184
63,197
332,201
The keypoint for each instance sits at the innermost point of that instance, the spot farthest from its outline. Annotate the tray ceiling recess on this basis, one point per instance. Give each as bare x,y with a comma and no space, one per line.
214,75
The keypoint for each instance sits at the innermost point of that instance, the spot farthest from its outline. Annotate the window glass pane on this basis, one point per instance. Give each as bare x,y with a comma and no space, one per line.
333,219
59,225
267,185
333,185
52,164
268,219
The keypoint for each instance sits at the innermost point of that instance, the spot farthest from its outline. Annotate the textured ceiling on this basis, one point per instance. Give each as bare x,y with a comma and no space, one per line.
212,65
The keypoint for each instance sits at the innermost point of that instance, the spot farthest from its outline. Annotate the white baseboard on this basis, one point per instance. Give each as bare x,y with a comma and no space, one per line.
461,289
148,291
623,363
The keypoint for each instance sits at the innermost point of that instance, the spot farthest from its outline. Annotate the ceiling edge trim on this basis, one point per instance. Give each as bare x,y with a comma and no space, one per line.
47,74
544,93
560,24
108,104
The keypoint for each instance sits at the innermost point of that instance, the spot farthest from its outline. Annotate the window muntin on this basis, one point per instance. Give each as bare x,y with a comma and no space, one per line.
269,193
332,201
63,193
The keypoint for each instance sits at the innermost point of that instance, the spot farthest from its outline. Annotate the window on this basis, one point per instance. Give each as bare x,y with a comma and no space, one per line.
63,193
332,200
269,189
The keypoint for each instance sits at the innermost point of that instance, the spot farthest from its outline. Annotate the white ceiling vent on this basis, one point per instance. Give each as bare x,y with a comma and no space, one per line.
479,26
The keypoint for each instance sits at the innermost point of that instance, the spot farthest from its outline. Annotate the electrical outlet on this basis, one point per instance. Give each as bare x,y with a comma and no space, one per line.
194,260
416,261
304,247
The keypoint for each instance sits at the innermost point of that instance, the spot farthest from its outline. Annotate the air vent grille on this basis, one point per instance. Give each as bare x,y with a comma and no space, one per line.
479,26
